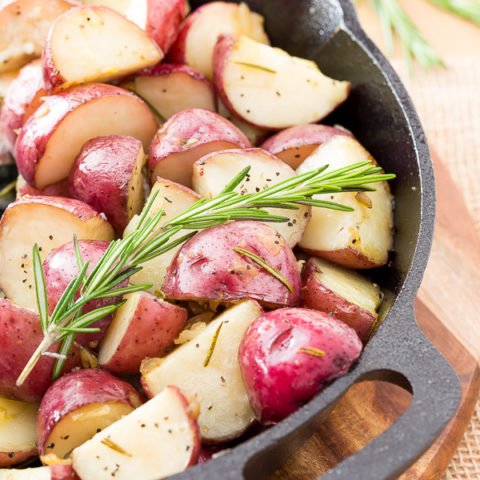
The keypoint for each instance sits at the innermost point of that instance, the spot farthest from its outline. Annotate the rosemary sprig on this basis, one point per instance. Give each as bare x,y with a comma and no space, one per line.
393,18
148,240
9,187
262,263
212,345
468,9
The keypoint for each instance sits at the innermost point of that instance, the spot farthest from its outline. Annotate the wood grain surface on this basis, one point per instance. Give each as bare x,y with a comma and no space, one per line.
369,408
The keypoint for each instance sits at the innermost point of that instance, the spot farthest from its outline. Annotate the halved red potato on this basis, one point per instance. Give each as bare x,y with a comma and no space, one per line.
49,222
59,189
18,433
186,137
20,335
206,367
196,41
53,136
78,405
293,145
256,135
107,175
362,238
208,268
145,326
213,172
106,45
173,88
289,355
25,24
342,293
157,440
61,267
174,199
17,99
267,87
52,472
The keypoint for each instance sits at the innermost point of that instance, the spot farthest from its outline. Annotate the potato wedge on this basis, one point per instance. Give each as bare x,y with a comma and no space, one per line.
217,384
158,439
268,88
362,238
107,46
212,173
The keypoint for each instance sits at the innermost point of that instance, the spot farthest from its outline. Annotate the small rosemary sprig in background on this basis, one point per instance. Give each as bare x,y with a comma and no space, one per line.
468,9
149,240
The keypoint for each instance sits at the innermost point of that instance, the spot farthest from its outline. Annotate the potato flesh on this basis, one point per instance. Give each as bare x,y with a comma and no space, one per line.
80,425
107,115
173,199
216,19
158,439
293,92
366,230
37,473
349,284
99,36
212,174
225,412
18,427
173,93
23,35
27,224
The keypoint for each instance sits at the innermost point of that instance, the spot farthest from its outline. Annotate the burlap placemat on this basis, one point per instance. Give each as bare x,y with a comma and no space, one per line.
448,103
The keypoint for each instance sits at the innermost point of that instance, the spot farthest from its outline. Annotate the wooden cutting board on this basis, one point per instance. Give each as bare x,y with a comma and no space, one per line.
369,408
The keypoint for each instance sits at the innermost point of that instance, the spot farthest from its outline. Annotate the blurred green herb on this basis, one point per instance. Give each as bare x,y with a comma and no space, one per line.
468,9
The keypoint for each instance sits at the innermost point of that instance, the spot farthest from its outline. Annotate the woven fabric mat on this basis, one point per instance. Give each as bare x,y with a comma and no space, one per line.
448,103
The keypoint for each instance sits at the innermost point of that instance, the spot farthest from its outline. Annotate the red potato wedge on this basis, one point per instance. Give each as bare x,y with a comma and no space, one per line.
119,196
267,87
186,137
78,405
17,99
20,335
224,409
59,189
49,222
213,172
256,135
145,326
173,88
25,25
362,238
295,144
289,355
160,438
342,293
61,267
53,136
18,433
173,199
208,268
198,35
107,46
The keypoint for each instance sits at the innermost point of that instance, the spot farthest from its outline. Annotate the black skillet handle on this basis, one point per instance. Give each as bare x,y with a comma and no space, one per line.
411,361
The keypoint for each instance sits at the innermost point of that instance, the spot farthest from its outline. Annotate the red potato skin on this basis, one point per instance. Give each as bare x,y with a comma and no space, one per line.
303,138
318,297
76,390
9,459
20,335
277,377
154,327
176,53
59,189
60,268
37,130
207,267
348,257
63,472
19,95
198,124
91,178
164,19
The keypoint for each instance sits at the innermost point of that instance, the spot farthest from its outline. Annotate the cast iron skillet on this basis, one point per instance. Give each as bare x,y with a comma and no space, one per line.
382,117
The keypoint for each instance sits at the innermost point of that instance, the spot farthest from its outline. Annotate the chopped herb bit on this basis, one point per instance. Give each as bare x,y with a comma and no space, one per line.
114,446
212,345
258,67
314,352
